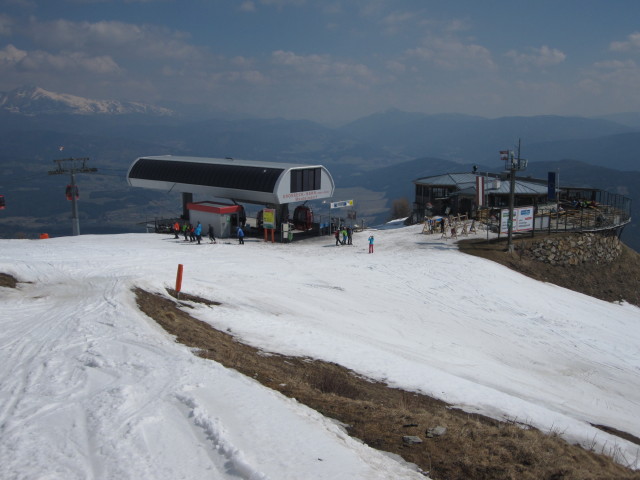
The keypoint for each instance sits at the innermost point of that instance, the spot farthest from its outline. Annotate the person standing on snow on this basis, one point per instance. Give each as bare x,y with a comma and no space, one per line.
212,238
337,235
240,236
371,244
198,232
176,229
349,235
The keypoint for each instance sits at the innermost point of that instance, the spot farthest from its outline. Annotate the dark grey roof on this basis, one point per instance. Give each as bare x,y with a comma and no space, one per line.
466,183
230,175
240,180
460,180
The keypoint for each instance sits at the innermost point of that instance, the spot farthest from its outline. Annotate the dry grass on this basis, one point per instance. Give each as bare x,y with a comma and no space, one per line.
7,281
473,447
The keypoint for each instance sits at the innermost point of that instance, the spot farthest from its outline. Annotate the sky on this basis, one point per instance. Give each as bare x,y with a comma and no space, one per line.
90,387
331,61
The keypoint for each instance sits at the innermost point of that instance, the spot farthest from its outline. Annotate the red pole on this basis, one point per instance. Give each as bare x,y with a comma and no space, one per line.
179,278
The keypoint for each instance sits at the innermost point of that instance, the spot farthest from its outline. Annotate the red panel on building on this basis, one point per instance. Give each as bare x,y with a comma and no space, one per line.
212,207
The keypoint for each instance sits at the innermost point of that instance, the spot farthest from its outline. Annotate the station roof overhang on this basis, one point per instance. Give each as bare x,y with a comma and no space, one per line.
239,180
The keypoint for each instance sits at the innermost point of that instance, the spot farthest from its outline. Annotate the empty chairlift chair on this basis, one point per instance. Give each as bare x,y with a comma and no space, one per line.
303,218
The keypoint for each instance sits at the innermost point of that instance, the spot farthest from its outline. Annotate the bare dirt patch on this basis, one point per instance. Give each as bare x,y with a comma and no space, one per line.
473,447
7,281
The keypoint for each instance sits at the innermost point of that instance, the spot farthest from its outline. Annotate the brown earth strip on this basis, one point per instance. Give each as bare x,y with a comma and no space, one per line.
473,446
7,281
614,282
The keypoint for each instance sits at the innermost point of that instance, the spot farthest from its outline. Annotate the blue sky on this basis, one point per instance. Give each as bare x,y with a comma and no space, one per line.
331,61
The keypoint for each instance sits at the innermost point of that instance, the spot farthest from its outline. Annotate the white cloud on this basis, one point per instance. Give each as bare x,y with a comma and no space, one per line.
26,4
537,57
618,76
39,60
396,22
456,25
242,62
632,43
248,6
323,68
233,77
396,67
611,85
615,64
11,55
116,1
104,37
6,25
452,54
282,3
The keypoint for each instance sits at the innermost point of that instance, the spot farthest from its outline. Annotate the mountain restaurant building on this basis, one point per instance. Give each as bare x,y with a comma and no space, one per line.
482,195
464,193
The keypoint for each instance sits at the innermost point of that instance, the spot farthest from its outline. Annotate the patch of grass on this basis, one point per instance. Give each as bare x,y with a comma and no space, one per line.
8,281
473,447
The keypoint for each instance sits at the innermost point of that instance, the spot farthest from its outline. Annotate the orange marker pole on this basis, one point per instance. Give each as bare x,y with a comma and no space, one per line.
179,278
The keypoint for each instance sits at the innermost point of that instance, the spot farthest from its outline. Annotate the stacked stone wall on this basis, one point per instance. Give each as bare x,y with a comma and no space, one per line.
574,249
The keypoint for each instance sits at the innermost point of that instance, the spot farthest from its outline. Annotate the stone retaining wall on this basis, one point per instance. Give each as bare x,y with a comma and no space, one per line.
574,249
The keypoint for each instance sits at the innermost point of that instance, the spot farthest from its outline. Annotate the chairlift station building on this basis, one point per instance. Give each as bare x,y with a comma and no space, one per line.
274,185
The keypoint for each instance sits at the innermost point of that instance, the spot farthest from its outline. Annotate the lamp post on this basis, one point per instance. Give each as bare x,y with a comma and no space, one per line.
513,164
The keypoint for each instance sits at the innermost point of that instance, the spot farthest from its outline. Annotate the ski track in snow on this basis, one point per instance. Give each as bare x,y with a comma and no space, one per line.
90,388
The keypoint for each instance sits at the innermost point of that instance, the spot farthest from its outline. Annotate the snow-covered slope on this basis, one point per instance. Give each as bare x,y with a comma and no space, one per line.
92,388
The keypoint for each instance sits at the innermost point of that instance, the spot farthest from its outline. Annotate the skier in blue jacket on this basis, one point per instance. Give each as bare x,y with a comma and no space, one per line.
198,232
240,236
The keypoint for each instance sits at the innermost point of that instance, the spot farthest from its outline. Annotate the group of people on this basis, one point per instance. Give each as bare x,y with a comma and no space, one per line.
579,204
194,233
346,233
191,233
344,236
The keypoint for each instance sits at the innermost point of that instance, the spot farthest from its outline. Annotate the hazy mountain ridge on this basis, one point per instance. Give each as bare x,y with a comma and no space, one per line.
620,151
464,138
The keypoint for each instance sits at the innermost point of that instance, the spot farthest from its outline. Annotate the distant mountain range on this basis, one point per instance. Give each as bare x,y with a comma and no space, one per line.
373,160
30,100
464,138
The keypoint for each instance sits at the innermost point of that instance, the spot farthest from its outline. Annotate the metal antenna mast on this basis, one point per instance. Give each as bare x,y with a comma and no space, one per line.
73,166
513,165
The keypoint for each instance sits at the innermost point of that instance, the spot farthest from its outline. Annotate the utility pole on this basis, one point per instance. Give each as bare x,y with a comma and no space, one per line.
513,164
73,166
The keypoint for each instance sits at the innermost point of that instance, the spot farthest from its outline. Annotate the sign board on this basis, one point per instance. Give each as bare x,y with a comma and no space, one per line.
522,220
345,203
269,218
552,186
304,196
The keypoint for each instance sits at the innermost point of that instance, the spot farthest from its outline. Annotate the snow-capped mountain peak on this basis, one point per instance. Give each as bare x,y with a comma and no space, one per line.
32,100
